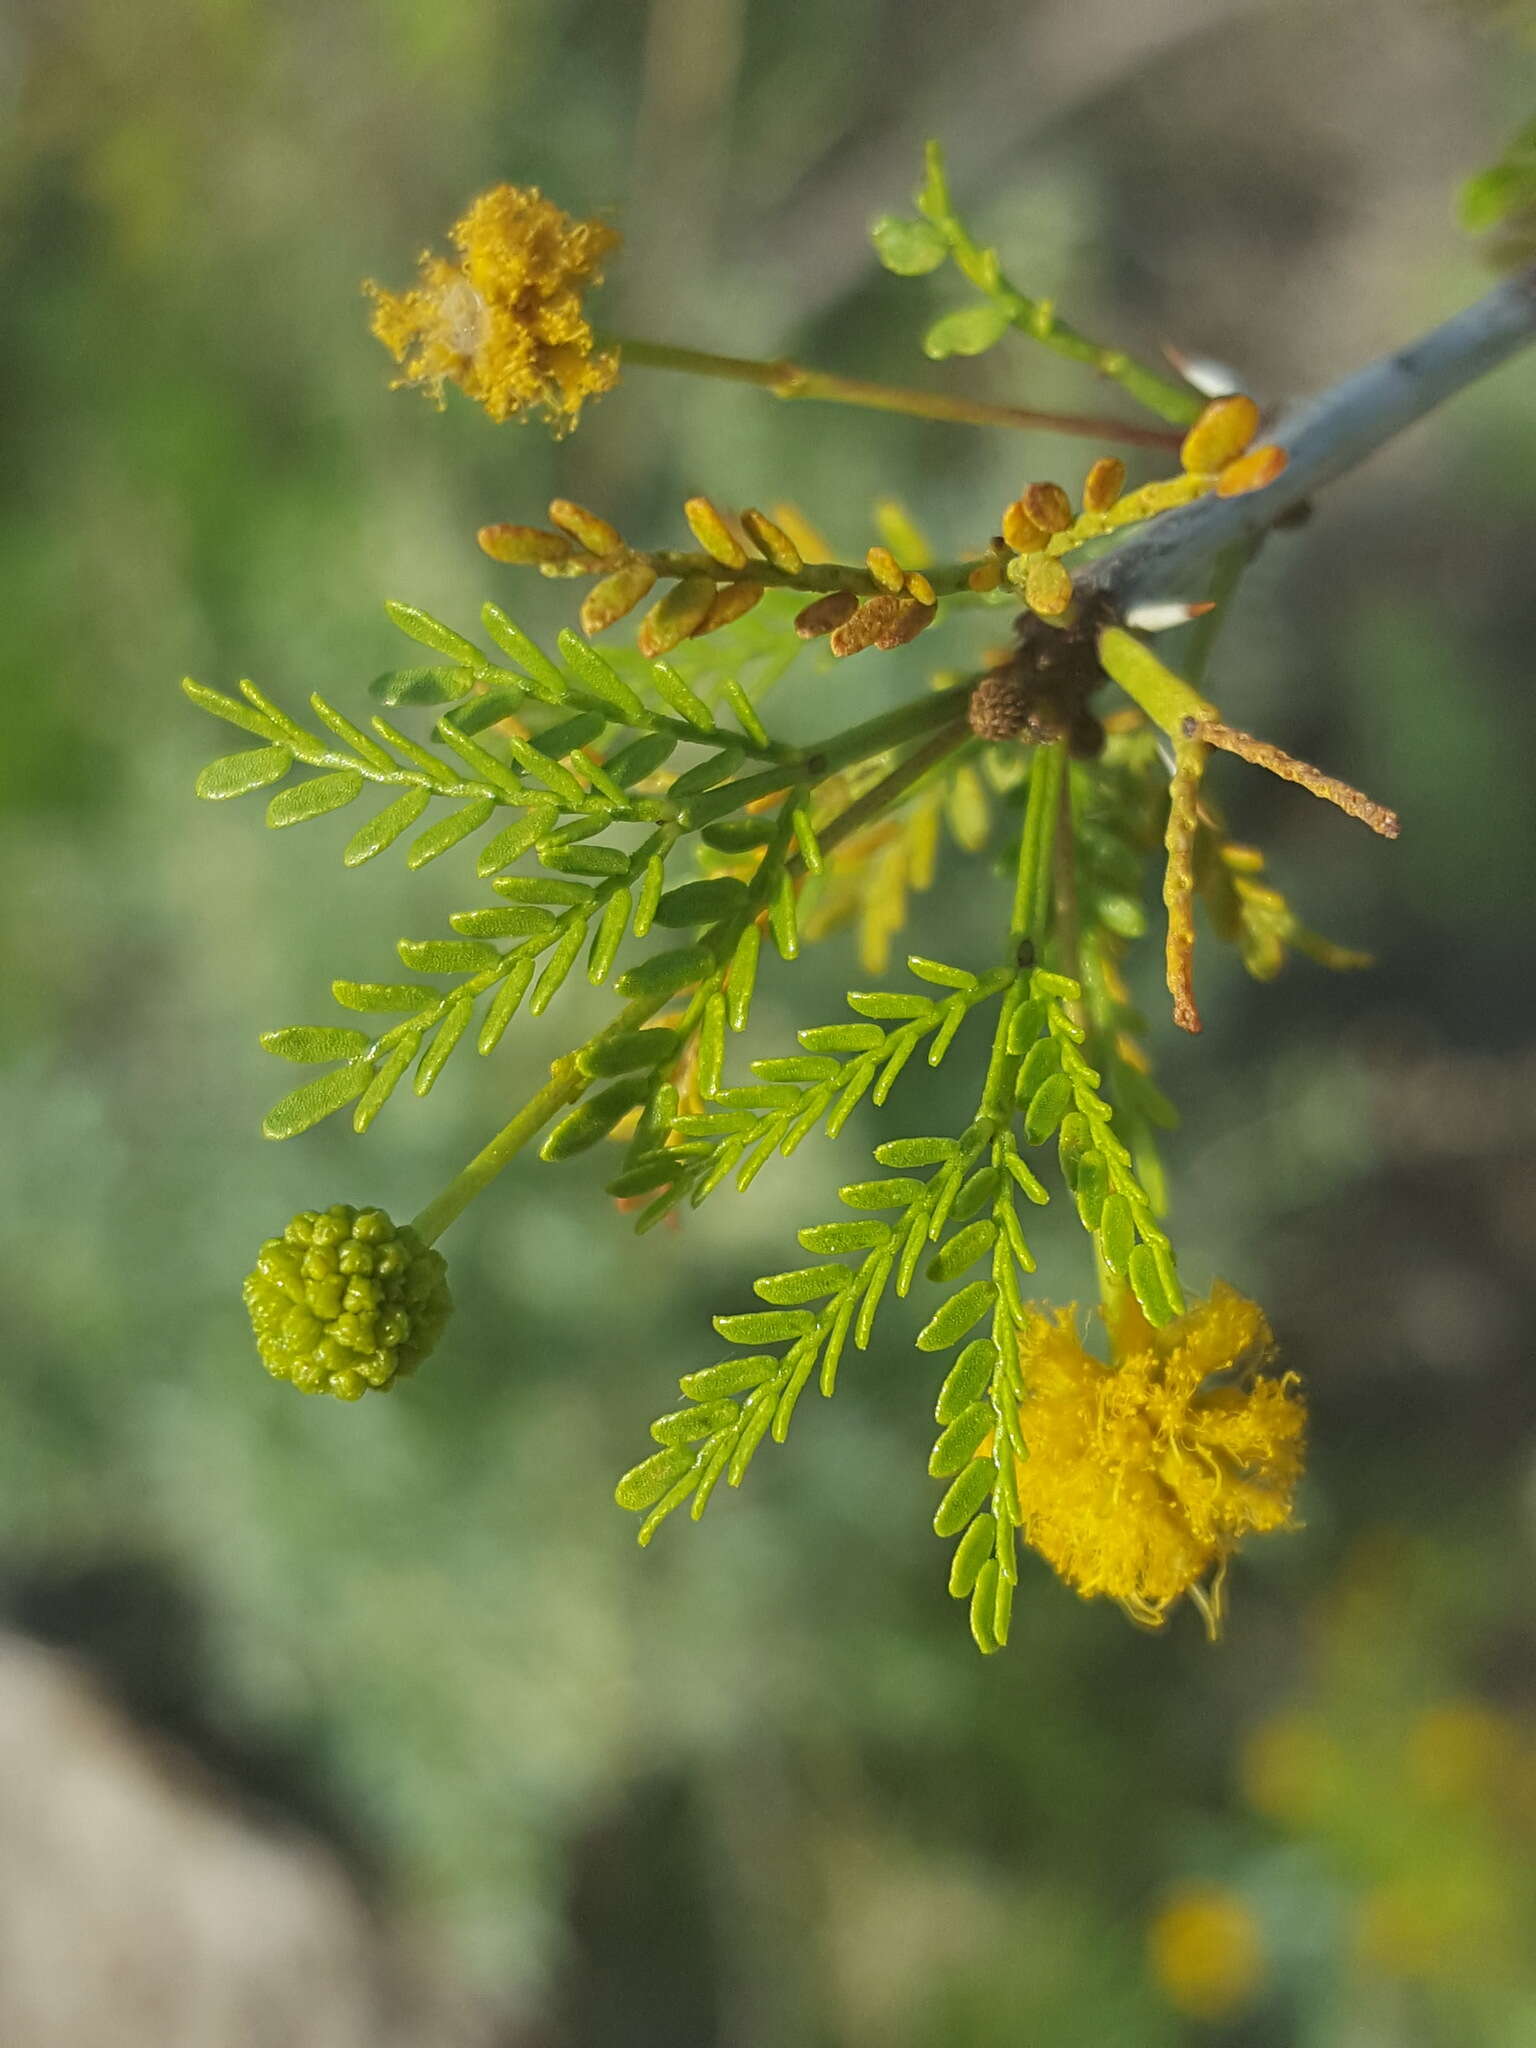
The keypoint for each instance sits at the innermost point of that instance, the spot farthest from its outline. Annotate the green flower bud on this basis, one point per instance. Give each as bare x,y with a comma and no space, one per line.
346,1300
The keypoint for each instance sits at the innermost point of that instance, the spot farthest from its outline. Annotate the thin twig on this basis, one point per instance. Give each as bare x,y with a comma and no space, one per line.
1265,754
786,379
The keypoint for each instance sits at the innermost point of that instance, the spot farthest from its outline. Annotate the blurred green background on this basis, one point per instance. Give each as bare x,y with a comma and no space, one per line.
753,1787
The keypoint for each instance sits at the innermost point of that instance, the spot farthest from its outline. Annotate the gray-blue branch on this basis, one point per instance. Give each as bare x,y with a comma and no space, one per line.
1171,557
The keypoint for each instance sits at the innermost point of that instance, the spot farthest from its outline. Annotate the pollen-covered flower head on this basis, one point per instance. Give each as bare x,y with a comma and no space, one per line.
505,322
346,1300
1144,1475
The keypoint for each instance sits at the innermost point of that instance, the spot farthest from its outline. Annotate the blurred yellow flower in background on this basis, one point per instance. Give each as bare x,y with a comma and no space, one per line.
1463,1751
1205,1953
1289,1765
1143,1476
505,323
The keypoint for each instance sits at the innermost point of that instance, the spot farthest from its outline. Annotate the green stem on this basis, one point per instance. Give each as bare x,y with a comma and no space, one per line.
909,721
785,379
565,1084
1034,878
1178,403
1031,896
892,787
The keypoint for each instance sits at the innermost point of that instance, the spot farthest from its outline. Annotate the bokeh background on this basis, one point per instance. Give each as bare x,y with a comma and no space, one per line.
331,1726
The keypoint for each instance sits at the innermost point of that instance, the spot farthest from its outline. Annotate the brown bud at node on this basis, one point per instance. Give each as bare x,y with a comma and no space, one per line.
910,620
999,708
985,576
870,626
594,534
1049,507
713,535
826,614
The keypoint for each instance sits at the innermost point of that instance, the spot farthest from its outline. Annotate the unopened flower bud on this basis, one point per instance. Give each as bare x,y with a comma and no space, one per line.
345,1300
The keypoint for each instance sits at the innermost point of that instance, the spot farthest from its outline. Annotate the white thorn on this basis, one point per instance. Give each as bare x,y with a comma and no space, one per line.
1209,377
1162,617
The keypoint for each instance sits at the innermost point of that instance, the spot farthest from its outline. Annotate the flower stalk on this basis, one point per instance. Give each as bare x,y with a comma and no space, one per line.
783,378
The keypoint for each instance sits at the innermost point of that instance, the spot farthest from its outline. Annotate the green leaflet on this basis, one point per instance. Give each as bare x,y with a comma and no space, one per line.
433,633
665,973
641,758
731,1376
421,685
540,671
909,248
440,838
513,921
449,1032
953,1318
313,1042
562,739
312,799
385,827
592,1120
486,707
234,774
963,1499
628,1051
446,956
231,710
696,903
598,676
960,1440
968,1379
382,995
968,331
317,1099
